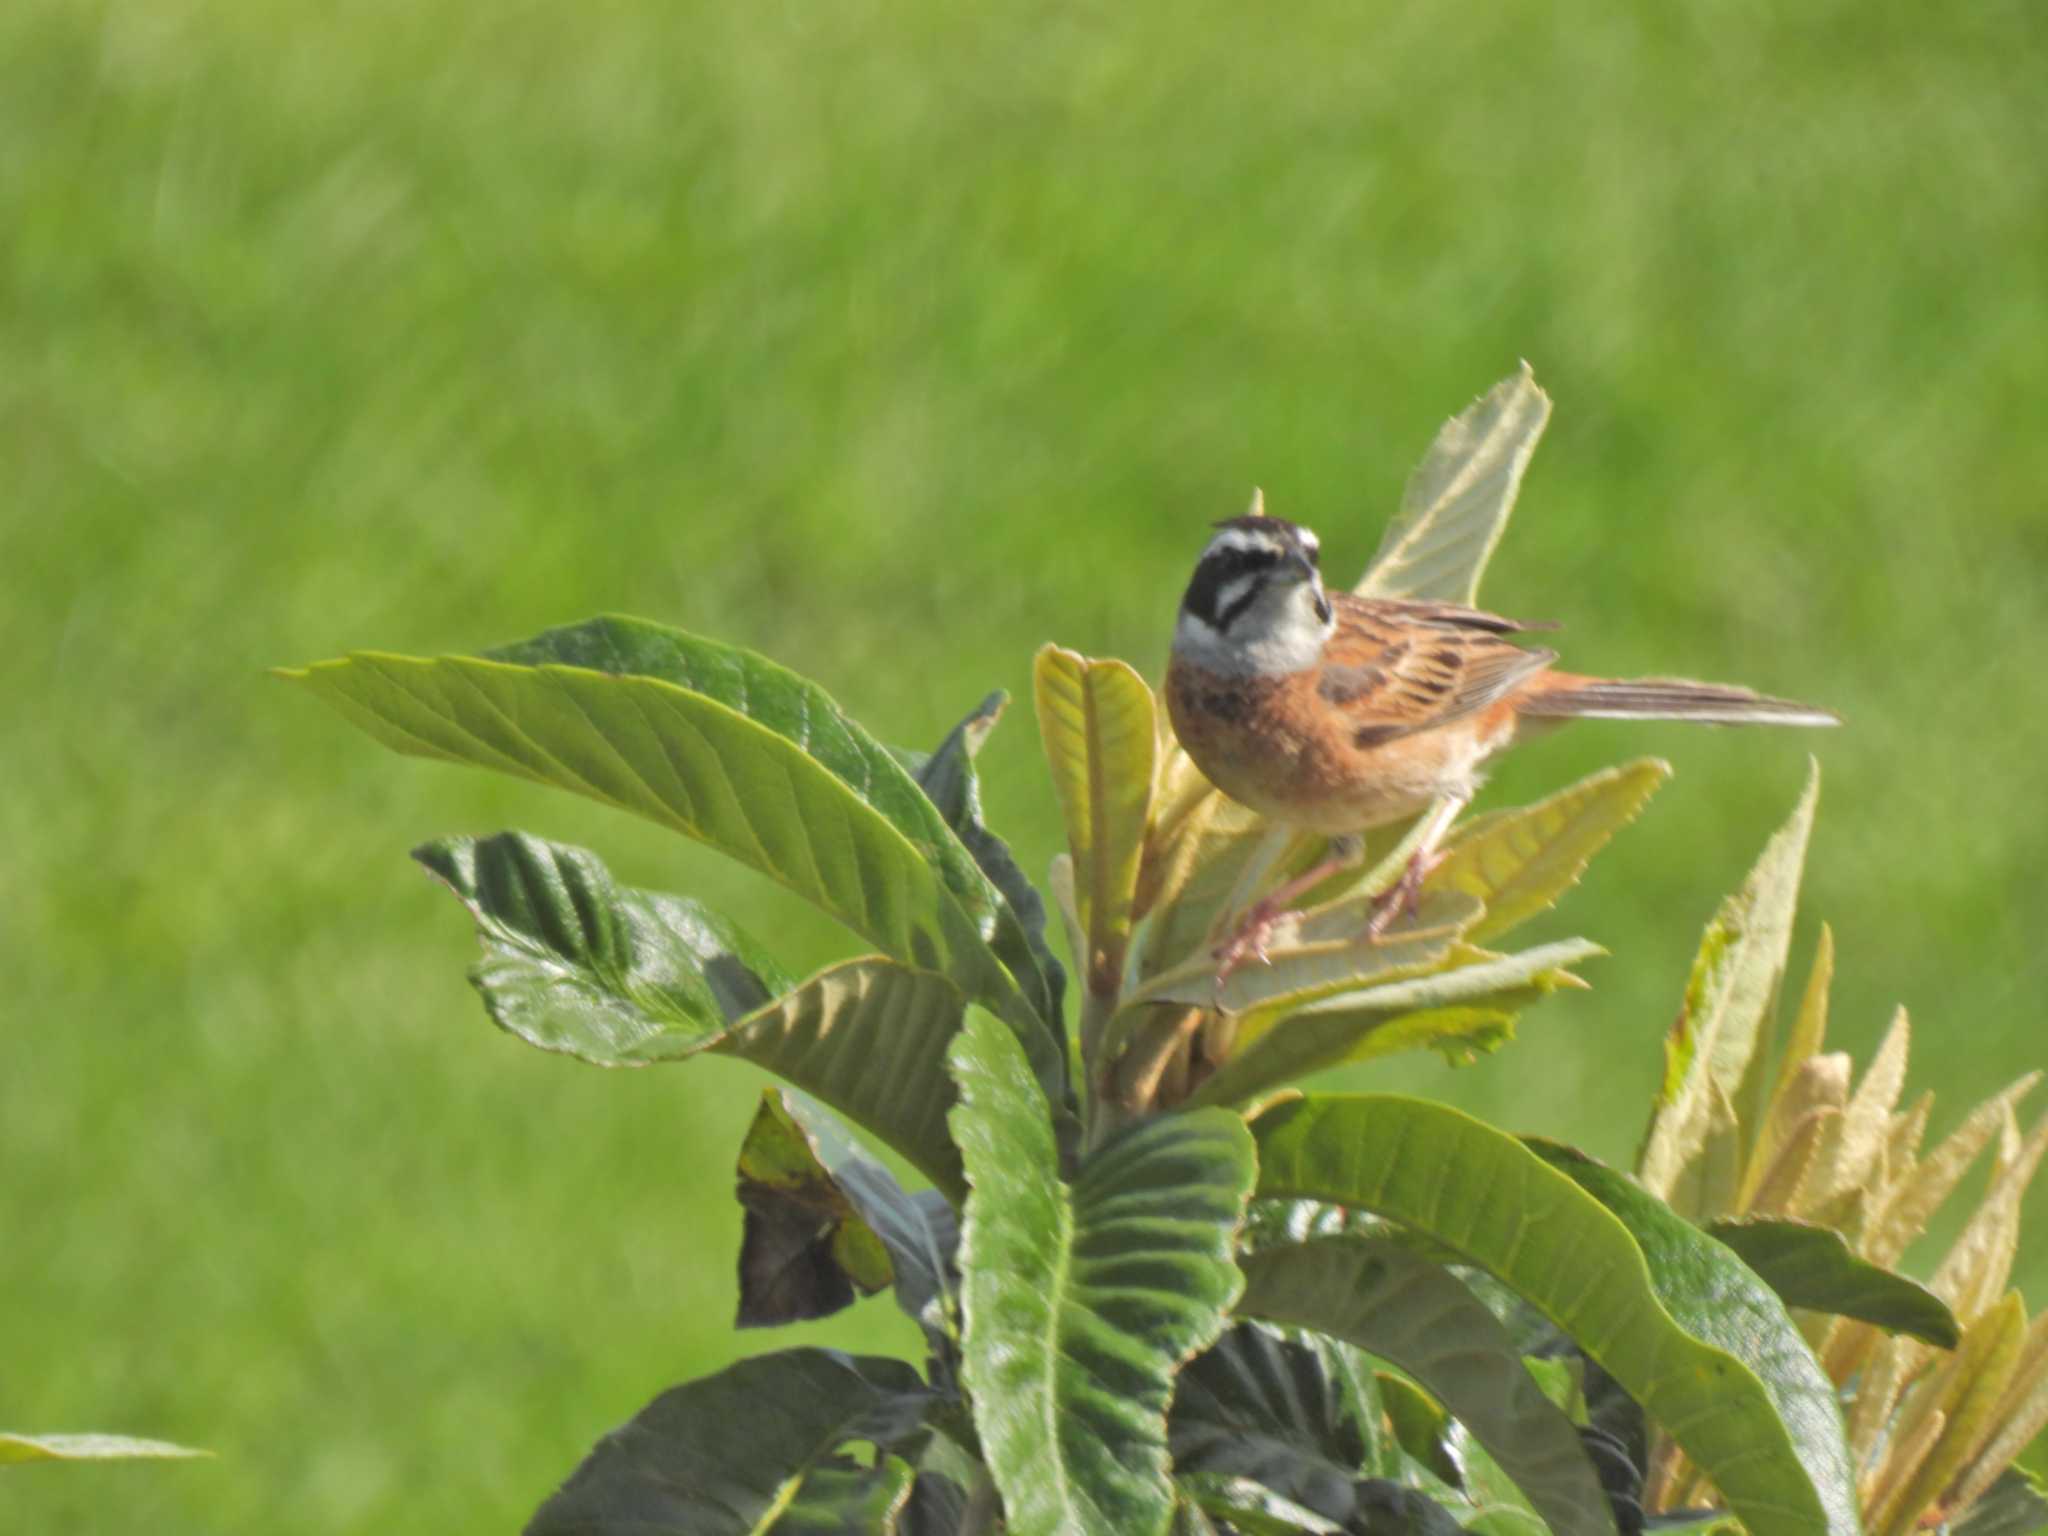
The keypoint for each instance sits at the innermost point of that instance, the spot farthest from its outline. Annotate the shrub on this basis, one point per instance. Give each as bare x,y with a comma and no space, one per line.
1162,1290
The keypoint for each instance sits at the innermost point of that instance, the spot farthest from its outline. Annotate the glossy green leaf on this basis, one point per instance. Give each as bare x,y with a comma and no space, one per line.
1420,1317
25,1448
1251,1508
1291,1414
2015,1505
619,977
750,1450
1813,1267
1461,1011
1082,1300
1519,862
1729,995
722,746
950,781
824,1221
1100,731
1508,1211
574,962
1457,502
1716,1298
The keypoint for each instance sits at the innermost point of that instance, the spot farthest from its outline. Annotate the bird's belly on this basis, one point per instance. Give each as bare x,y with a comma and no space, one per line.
1283,764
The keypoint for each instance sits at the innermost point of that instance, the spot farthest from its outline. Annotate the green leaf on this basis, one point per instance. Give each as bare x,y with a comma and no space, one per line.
1812,1267
724,747
1730,993
824,1220
1467,1008
750,1450
1519,862
2015,1505
1291,1414
22,1448
1100,730
1252,1508
1457,502
620,977
1082,1300
1506,1210
950,782
1420,1317
1716,1298
575,963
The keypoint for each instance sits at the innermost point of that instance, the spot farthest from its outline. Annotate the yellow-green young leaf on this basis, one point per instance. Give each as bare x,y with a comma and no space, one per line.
1963,1392
1857,1151
1457,502
20,1448
727,748
1707,1184
1917,1196
1098,722
1809,1031
1419,1316
1773,1446
1742,956
1975,1268
1464,1008
1083,1299
1519,862
2019,1417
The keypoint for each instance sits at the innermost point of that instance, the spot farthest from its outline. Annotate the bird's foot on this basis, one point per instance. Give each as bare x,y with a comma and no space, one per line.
1248,942
1404,897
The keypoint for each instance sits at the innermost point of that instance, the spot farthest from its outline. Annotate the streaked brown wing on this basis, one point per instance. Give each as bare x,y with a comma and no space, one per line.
1393,669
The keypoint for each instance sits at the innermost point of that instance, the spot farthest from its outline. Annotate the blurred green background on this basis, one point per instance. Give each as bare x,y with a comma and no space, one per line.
894,340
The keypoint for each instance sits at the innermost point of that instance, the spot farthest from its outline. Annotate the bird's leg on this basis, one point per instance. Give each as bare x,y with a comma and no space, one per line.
1249,939
1404,897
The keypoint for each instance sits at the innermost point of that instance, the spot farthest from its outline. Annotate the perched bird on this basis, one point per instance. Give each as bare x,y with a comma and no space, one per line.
1336,713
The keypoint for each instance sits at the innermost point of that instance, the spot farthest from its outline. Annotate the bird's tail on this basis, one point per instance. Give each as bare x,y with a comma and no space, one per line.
1561,696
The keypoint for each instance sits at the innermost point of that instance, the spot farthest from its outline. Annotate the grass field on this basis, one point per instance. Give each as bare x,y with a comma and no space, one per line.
894,340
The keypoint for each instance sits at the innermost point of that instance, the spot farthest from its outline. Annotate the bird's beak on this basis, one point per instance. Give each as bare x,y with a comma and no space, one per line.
1304,568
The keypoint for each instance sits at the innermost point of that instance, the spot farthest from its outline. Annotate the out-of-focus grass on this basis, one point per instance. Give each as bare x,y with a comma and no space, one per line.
893,340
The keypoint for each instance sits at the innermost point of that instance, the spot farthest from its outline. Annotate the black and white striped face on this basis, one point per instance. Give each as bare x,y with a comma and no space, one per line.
1256,603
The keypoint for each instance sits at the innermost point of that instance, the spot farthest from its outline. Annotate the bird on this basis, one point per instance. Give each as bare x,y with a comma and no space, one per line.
1334,713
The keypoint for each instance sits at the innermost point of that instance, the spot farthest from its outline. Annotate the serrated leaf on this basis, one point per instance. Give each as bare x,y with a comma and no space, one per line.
1510,1212
1961,1396
950,782
824,1220
1519,862
1082,1300
1812,1267
1917,1195
1277,1410
1729,995
1097,719
725,747
24,1448
751,1450
1457,502
1470,1007
1416,1314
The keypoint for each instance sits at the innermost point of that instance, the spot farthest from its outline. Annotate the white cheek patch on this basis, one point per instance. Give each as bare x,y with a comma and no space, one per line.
1233,592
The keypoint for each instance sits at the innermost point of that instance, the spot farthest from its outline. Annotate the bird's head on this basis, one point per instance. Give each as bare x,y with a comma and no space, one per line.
1256,603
